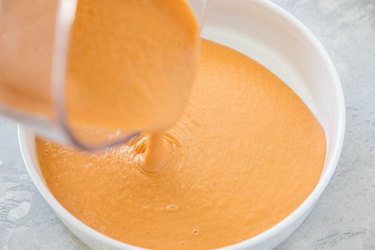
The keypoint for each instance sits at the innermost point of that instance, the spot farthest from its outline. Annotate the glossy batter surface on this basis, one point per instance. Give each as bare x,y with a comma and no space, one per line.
244,155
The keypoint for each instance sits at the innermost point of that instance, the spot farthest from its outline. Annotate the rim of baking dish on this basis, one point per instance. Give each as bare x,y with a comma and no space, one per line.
255,240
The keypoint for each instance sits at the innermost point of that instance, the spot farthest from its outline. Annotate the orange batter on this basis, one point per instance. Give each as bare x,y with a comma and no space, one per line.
244,155
131,63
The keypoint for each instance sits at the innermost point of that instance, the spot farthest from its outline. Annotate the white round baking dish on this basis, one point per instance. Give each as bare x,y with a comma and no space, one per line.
276,39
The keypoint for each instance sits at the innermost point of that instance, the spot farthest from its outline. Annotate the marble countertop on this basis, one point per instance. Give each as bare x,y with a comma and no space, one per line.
344,218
